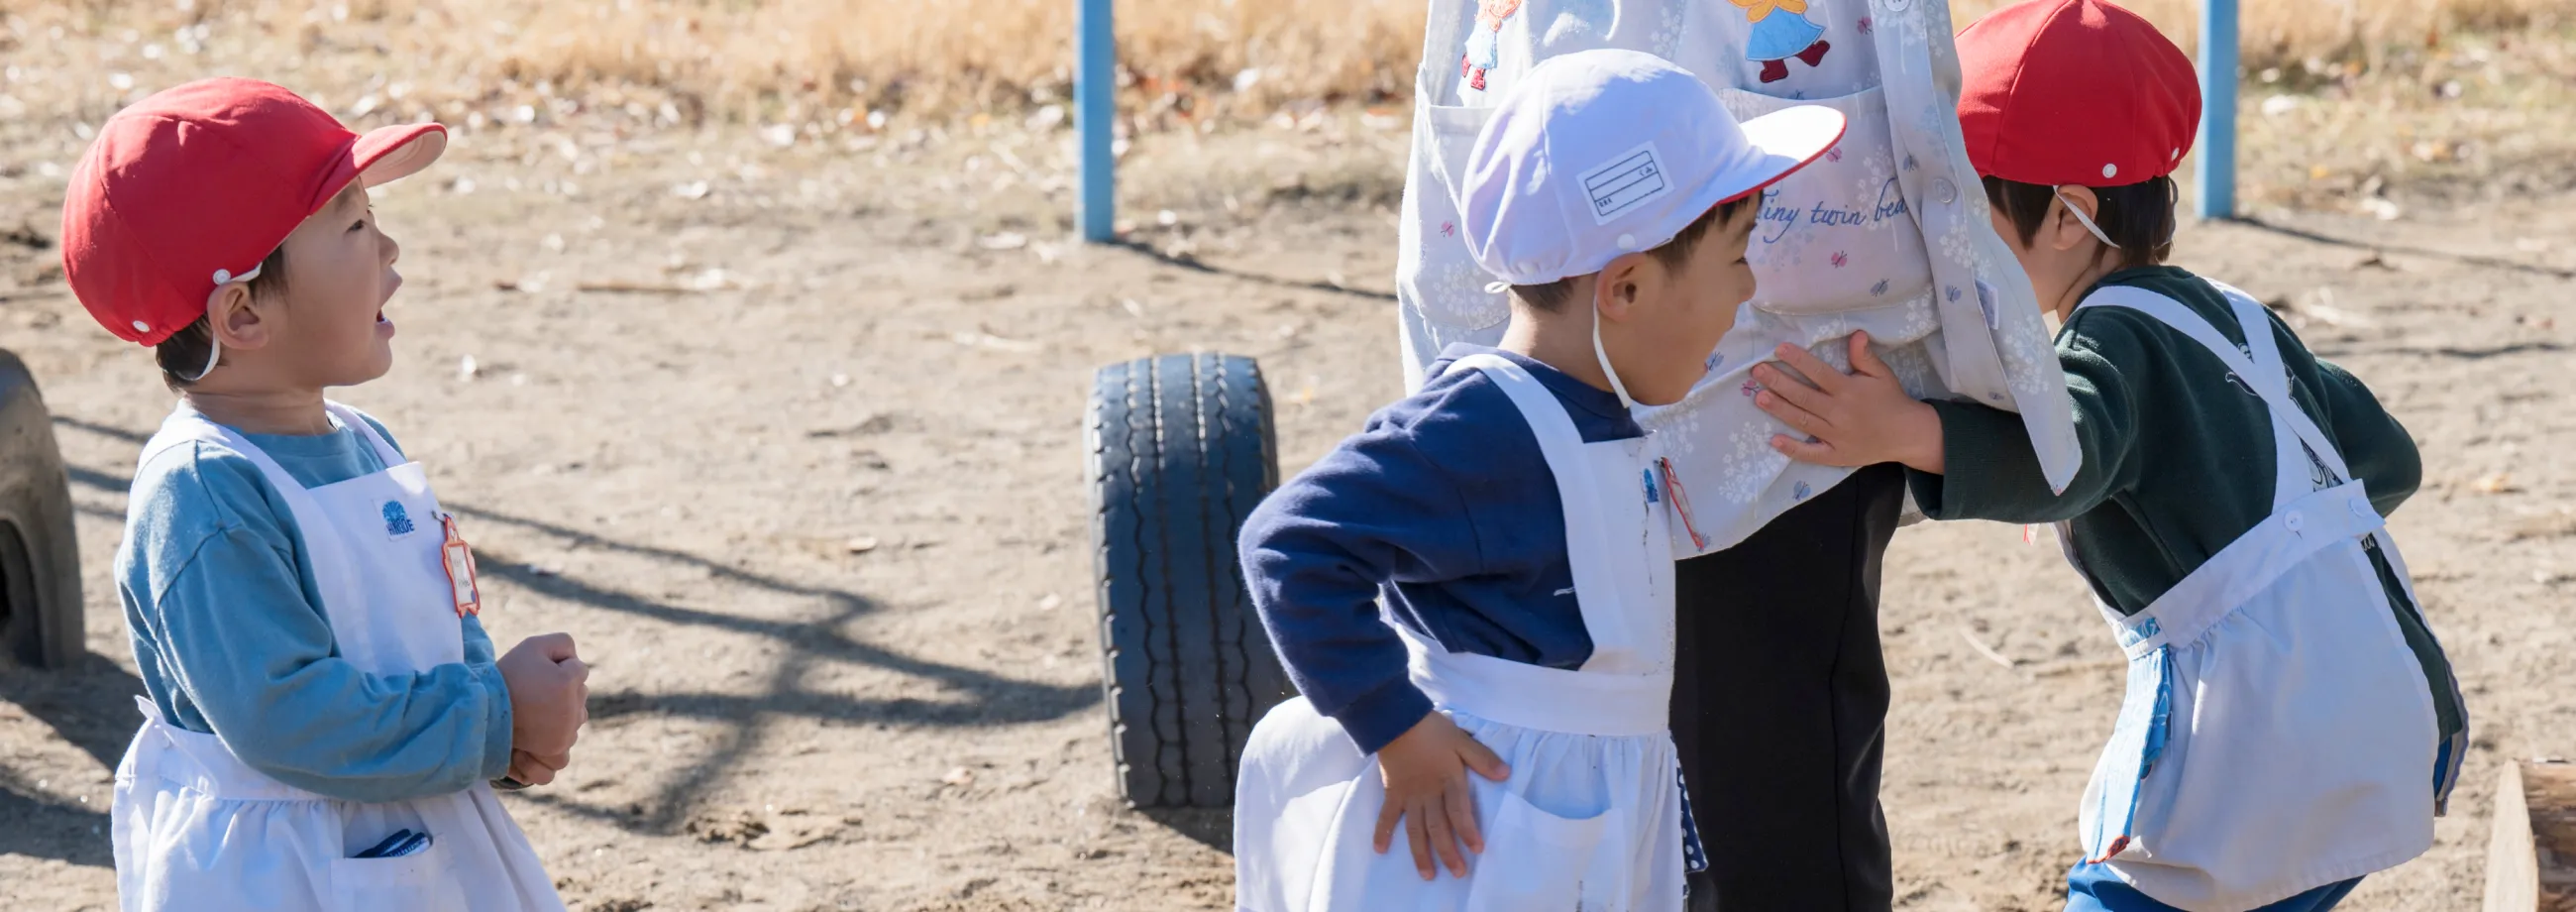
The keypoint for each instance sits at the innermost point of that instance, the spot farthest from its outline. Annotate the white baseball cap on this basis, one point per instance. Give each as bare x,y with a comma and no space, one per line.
1601,153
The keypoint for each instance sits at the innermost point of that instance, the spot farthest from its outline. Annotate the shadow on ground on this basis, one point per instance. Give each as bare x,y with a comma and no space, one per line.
985,699
91,706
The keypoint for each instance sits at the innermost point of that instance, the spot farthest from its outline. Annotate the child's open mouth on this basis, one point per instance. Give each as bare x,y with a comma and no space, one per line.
384,325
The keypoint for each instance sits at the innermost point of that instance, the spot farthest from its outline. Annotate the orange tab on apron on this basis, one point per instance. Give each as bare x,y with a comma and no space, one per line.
460,568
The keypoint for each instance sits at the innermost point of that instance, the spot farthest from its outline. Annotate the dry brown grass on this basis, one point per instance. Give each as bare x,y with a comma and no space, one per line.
806,60
749,57
2280,32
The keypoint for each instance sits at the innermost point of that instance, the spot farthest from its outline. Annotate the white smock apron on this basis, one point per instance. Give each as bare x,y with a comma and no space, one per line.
1591,817
1888,233
198,829
2278,734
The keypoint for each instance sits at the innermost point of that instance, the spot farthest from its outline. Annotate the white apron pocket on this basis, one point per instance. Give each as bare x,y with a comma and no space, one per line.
1838,235
1535,860
419,882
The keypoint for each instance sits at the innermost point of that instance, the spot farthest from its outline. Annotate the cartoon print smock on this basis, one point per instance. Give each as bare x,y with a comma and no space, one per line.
1888,233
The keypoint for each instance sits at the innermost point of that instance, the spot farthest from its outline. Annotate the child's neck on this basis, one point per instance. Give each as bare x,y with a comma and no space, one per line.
1561,341
282,412
2100,267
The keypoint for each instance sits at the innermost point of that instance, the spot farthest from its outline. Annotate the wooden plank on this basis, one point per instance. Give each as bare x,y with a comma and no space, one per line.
2531,857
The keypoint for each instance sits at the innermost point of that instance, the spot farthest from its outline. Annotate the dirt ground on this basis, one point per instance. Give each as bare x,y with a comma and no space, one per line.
789,440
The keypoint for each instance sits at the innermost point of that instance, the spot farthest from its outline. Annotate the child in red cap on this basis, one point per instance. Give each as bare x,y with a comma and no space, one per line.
322,709
2291,723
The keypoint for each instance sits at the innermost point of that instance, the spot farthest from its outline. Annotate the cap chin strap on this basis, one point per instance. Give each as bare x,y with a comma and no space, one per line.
1603,355
1598,353
2060,193
215,345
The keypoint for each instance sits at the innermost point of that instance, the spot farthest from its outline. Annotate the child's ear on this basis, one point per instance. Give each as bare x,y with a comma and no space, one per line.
237,319
2065,231
1623,283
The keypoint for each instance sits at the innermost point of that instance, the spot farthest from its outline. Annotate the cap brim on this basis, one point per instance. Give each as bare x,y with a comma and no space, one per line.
1781,142
388,154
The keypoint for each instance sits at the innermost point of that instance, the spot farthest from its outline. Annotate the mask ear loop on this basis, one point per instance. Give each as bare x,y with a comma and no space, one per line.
2059,192
214,345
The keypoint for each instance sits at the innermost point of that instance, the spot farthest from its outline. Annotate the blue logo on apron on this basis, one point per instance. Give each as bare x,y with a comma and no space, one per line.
397,520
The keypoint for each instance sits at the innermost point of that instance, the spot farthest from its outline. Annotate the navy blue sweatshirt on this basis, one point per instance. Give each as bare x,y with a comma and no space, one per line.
1445,506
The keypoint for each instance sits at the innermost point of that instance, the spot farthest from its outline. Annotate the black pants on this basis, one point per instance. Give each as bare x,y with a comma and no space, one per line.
1780,706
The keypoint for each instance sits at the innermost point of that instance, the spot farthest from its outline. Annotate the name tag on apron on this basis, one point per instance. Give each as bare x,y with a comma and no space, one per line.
459,559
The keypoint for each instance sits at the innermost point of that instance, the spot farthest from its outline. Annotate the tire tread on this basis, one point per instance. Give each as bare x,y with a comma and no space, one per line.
1181,450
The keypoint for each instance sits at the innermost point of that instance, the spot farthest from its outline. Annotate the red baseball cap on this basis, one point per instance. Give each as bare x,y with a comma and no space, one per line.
2074,92
193,187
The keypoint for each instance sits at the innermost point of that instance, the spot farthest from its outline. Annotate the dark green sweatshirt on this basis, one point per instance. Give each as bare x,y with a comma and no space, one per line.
2178,458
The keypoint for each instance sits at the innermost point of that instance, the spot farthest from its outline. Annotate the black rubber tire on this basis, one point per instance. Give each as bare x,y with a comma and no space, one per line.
1181,449
40,597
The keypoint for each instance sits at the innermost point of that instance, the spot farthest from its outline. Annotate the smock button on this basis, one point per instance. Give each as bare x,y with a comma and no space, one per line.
2293,521
1627,242
1945,191
142,327
2361,507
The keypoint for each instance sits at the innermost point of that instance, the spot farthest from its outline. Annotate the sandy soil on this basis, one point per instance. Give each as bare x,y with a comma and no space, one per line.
794,453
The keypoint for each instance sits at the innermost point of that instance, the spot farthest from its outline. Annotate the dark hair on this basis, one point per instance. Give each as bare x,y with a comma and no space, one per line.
1551,296
184,354
2139,217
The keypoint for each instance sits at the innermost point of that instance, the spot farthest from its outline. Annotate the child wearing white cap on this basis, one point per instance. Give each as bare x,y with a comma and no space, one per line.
1474,594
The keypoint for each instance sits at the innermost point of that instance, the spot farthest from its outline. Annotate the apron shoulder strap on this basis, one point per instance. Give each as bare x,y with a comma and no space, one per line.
2262,371
2257,323
366,427
2183,319
184,425
1557,438
187,425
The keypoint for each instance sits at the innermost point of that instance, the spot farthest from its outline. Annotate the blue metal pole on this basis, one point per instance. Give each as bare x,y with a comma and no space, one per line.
2216,168
1095,91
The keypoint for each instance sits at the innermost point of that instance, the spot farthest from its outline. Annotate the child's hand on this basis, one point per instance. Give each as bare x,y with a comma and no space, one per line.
1856,419
531,769
549,700
1426,786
